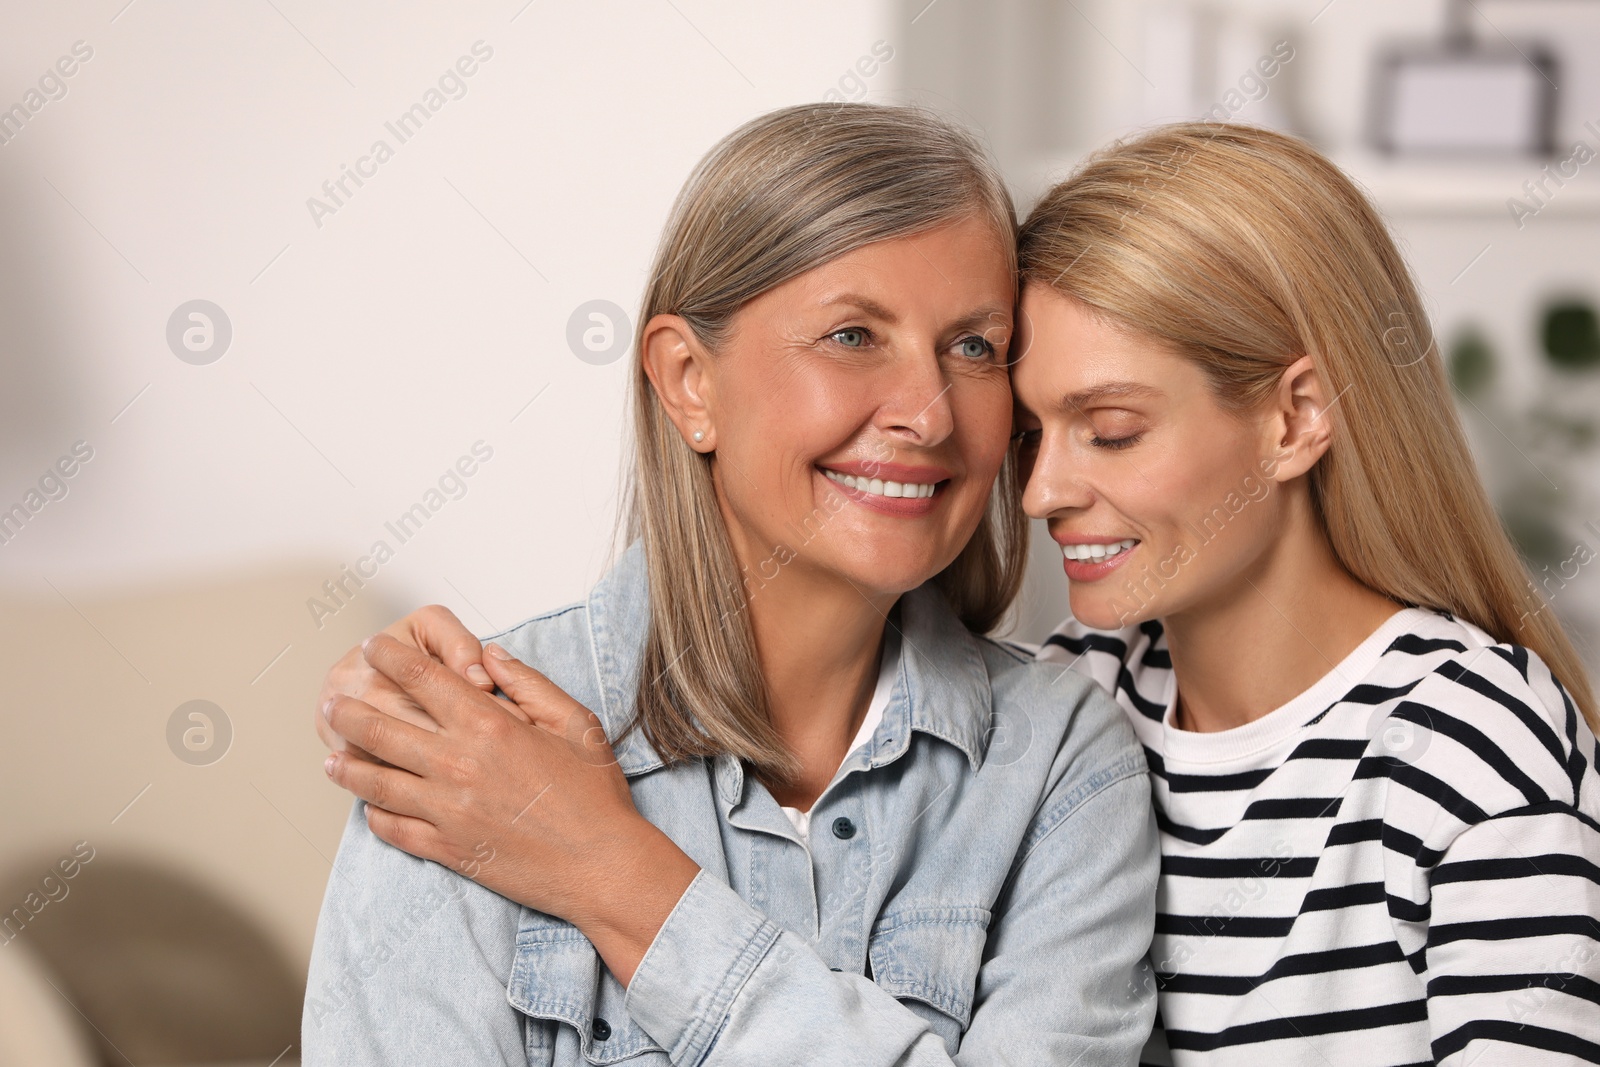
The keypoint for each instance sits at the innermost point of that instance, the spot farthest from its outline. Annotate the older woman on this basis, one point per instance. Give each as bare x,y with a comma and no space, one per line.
813,815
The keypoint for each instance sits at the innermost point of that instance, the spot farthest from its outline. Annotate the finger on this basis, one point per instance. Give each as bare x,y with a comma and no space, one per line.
407,833
335,682
542,701
331,739
550,706
384,736
442,694
436,630
394,790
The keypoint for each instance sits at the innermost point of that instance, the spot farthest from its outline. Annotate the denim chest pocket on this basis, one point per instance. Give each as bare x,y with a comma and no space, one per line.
931,955
558,979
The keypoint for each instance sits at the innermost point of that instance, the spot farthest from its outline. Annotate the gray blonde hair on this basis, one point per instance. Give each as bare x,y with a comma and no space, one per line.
784,193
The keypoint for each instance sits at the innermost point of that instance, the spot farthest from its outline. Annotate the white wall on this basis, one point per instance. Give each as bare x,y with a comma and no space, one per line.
368,354
371,350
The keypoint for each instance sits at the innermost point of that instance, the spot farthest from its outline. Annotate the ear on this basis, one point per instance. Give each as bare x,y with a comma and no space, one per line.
680,369
1297,428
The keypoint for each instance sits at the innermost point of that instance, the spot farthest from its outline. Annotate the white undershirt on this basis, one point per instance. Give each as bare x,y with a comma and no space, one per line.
888,667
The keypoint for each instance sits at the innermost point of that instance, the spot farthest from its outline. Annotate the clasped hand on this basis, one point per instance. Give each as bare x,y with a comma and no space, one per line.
510,791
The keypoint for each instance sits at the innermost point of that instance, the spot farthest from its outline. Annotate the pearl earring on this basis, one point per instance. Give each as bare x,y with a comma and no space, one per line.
699,436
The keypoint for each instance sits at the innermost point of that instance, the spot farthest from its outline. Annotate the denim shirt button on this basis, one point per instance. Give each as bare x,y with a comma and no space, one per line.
843,828
600,1029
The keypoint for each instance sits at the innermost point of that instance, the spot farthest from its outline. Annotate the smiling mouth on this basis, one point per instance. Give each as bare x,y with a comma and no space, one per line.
881,487
1097,553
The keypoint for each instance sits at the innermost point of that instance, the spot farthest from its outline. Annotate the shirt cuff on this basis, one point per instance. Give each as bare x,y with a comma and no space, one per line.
701,957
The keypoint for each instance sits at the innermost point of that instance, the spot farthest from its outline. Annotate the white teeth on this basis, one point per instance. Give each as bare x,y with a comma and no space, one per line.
1096,553
879,487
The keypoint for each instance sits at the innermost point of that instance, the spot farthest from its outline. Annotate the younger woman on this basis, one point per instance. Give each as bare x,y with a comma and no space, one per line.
1370,741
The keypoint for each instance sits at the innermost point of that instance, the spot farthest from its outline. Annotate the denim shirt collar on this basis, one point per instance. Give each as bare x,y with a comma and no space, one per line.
942,689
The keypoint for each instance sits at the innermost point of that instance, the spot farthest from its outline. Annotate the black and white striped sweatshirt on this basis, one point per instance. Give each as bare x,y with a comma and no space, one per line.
1399,866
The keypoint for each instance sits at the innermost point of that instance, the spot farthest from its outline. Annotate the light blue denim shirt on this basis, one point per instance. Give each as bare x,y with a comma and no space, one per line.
979,889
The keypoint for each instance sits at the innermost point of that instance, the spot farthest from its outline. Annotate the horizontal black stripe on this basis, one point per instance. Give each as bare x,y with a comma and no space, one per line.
1384,953
1261,810
1328,1022
1409,911
1343,896
1417,645
1157,659
1556,863
1145,706
1294,808
1331,748
1510,1033
1217,783
1514,928
1463,985
1223,926
1397,840
1370,694
1420,781
1350,833
1323,748
1248,867
1194,835
1093,640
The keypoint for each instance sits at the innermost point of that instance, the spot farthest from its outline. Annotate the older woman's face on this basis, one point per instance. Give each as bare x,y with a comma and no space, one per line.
862,410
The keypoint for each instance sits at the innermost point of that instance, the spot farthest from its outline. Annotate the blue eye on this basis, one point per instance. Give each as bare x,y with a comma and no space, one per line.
853,337
975,347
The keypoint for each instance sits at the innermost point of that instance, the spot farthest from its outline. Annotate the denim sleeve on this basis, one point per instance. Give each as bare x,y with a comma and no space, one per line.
410,964
1064,978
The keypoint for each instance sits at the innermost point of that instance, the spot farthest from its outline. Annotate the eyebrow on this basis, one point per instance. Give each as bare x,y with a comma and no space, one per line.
1108,391
976,317
862,303
993,316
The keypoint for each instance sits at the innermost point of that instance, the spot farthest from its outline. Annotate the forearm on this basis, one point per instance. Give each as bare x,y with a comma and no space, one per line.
723,984
644,875
1054,975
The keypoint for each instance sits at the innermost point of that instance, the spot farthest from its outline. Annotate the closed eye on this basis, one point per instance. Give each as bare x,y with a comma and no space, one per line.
1115,443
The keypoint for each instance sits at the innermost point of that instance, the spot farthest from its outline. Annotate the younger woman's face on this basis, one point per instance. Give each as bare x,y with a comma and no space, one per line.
862,410
1161,499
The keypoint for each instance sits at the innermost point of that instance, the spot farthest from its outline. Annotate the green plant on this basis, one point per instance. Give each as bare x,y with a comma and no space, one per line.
1539,507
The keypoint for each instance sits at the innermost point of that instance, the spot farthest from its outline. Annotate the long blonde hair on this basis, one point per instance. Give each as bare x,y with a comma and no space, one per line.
1246,249
784,193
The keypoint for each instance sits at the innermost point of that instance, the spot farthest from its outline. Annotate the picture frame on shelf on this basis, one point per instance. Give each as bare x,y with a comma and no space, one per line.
1459,99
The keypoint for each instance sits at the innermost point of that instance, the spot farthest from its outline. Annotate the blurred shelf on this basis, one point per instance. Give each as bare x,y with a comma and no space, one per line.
1417,188
1410,188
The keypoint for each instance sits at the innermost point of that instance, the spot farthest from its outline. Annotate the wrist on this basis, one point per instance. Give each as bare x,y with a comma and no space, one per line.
629,902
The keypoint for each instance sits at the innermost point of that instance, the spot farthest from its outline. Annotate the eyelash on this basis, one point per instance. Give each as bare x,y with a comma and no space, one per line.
866,334
988,346
1115,443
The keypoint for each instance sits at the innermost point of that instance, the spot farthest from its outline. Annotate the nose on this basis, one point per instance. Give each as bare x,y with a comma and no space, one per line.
1054,483
917,410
